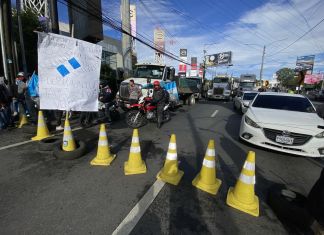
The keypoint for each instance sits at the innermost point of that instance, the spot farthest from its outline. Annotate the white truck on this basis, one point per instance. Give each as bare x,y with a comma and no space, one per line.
247,82
221,88
144,75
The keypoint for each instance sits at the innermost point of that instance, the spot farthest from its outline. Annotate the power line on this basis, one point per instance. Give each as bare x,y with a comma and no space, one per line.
310,30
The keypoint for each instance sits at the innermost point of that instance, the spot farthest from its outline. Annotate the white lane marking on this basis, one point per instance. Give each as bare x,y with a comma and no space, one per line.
214,113
130,221
29,141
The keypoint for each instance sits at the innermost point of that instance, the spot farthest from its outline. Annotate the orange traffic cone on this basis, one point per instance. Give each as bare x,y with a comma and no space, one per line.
242,196
22,120
135,164
68,140
42,131
104,157
170,172
206,180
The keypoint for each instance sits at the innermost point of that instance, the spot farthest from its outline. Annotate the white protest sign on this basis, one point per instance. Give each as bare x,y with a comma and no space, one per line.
69,71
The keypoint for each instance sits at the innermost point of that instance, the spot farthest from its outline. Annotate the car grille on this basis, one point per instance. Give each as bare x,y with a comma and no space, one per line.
218,91
299,139
123,91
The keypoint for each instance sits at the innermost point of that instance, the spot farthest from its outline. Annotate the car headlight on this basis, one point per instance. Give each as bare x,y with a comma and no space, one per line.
250,122
320,135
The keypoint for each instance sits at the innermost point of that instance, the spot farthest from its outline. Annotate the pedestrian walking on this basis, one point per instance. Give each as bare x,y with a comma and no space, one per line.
19,100
160,97
106,97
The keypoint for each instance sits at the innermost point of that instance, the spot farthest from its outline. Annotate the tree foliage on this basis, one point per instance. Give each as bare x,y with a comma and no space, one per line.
286,76
30,23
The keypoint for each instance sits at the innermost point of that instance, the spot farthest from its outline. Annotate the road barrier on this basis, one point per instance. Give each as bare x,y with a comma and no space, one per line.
206,180
68,140
135,164
22,120
104,157
42,131
242,196
170,172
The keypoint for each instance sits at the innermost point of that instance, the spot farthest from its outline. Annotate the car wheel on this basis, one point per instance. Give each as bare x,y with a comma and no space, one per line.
59,153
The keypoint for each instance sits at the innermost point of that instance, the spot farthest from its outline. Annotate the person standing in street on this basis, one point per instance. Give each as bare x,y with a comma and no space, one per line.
159,98
5,101
134,92
106,97
19,100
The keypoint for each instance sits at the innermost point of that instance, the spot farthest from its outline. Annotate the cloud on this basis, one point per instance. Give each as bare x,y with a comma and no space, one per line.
275,24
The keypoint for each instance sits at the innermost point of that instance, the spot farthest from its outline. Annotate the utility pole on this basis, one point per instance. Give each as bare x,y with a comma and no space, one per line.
21,38
6,13
54,16
261,69
204,68
3,47
126,39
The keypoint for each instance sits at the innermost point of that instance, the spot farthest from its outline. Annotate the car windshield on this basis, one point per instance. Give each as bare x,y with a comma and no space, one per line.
220,80
249,96
149,71
289,103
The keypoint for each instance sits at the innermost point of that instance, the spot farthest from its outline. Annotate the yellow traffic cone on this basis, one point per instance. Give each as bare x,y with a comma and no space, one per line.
170,172
42,131
104,157
22,120
68,140
242,196
206,180
135,164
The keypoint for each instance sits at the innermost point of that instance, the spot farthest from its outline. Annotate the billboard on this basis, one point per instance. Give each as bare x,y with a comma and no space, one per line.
86,27
183,66
305,63
159,39
313,78
193,71
224,58
132,14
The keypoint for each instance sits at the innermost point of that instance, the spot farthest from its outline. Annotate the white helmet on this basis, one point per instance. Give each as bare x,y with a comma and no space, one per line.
21,74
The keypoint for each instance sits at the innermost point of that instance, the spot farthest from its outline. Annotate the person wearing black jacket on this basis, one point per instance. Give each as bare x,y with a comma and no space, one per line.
106,97
159,98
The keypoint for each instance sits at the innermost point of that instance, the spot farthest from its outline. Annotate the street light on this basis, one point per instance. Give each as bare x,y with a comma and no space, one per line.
263,53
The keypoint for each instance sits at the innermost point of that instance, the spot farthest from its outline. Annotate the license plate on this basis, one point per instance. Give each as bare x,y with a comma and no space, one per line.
284,139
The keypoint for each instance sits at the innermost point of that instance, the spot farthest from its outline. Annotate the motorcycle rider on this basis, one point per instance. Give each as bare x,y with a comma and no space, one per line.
159,98
134,92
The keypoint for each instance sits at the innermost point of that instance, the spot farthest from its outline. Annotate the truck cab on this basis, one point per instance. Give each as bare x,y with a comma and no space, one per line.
143,76
221,88
247,82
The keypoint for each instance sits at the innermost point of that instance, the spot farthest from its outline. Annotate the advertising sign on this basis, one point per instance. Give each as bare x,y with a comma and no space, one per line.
69,71
132,14
224,58
313,78
305,63
183,66
159,39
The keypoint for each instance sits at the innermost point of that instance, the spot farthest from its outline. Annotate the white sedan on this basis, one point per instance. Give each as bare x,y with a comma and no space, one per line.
243,99
284,122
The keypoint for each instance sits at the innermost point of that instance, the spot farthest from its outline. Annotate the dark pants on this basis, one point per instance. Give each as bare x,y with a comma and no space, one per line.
32,109
5,117
133,101
160,107
107,111
58,117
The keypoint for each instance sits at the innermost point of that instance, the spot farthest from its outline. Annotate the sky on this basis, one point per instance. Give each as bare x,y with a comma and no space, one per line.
240,26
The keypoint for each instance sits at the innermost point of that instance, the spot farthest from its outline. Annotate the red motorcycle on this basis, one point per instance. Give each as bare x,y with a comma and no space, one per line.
144,111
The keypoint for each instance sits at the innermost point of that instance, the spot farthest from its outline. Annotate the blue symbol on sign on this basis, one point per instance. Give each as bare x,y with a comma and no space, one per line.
64,71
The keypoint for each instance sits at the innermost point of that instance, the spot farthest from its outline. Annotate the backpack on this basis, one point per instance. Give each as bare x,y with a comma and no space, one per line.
32,87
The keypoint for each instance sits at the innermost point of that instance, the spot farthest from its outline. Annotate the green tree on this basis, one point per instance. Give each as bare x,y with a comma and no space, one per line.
286,76
30,23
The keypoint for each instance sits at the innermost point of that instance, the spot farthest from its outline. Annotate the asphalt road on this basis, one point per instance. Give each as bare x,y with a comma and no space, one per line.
42,195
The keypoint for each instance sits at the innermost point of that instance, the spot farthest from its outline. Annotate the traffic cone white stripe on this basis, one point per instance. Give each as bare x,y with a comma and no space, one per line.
102,143
41,124
135,149
209,163
249,166
102,134
210,152
135,140
247,179
67,128
173,146
67,138
171,156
